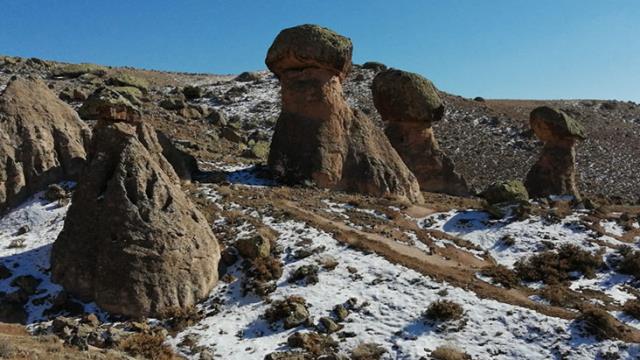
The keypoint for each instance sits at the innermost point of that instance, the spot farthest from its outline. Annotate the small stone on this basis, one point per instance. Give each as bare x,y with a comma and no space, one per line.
341,312
329,326
55,192
254,247
23,230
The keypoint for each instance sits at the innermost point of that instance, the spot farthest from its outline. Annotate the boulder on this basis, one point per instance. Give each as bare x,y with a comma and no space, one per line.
107,104
409,104
77,70
512,191
318,138
247,76
192,92
132,240
375,66
42,140
555,171
128,80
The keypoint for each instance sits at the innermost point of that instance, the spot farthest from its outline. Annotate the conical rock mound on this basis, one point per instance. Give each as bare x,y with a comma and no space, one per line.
132,241
42,140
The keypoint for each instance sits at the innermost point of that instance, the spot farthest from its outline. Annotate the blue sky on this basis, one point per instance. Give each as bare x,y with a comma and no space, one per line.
540,49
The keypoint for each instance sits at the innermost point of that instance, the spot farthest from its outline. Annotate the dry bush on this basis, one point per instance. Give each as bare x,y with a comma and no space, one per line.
148,346
367,351
630,262
558,295
502,275
552,267
448,353
632,307
265,269
180,318
600,324
444,310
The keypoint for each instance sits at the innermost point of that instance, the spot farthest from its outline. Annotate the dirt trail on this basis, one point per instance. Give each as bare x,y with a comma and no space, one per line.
454,271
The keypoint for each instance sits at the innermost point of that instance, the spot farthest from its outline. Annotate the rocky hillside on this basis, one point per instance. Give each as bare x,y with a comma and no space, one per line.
305,272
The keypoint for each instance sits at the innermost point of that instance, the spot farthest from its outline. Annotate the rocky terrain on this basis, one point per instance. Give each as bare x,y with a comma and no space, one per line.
180,237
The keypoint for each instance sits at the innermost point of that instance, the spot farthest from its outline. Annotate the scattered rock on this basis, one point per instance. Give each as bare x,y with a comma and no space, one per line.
292,311
512,191
217,118
23,230
107,104
555,171
312,342
192,92
247,76
409,104
306,273
231,134
318,138
76,70
132,241
254,247
42,140
123,79
375,66
173,103
328,325
55,192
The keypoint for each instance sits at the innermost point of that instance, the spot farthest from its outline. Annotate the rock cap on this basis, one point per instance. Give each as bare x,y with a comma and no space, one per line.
406,97
550,124
307,46
108,104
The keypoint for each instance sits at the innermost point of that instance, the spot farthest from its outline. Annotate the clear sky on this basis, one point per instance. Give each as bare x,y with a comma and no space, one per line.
494,48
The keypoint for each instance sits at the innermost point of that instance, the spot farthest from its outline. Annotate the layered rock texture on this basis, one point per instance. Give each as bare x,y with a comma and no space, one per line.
42,140
409,104
318,137
132,241
555,171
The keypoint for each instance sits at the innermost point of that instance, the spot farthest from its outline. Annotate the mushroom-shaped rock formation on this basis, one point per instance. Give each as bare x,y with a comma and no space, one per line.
409,104
318,137
555,171
42,140
132,240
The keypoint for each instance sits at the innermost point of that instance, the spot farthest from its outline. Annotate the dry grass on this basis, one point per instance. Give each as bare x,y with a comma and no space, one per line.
632,307
559,295
630,262
552,267
448,353
444,310
367,351
179,319
502,275
148,346
601,324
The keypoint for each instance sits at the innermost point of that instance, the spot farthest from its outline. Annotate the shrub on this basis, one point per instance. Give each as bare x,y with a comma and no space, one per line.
632,307
630,262
147,346
448,353
192,92
558,295
553,267
502,275
178,318
367,351
444,310
600,324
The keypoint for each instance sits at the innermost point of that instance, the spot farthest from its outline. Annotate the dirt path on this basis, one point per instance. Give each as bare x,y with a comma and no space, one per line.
458,270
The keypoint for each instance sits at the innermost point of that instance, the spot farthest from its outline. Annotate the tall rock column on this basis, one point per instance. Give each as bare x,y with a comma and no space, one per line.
555,171
318,137
409,104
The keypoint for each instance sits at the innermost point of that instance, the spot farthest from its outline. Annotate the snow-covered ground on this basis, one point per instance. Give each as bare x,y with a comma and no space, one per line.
396,297
390,298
